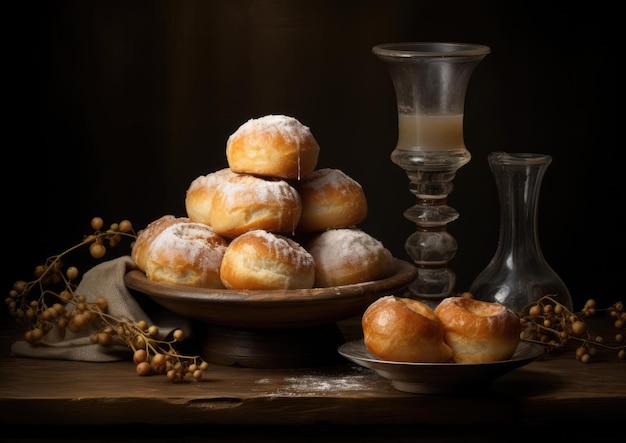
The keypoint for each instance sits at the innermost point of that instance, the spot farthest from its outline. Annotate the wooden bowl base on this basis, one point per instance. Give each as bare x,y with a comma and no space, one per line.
273,348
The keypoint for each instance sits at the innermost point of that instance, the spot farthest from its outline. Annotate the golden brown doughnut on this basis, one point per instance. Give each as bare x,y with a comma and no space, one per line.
145,237
199,195
245,202
479,331
276,146
262,260
188,254
348,255
330,199
404,330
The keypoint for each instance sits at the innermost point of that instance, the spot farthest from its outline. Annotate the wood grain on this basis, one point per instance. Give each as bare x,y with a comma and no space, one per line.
50,392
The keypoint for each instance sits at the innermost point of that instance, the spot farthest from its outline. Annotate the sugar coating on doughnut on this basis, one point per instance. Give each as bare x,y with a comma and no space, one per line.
200,193
146,236
347,256
289,128
273,146
262,260
187,254
331,199
246,202
284,248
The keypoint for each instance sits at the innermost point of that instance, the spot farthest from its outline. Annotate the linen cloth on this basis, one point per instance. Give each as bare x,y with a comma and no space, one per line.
103,280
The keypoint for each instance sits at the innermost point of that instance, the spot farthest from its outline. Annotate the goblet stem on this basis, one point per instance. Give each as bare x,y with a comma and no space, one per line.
430,81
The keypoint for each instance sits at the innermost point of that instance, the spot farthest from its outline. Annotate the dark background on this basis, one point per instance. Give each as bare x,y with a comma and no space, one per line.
112,108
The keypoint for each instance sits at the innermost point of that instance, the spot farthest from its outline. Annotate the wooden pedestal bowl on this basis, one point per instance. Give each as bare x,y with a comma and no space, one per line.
272,329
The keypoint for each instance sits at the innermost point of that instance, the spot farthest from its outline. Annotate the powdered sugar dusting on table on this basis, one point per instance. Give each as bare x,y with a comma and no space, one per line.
320,384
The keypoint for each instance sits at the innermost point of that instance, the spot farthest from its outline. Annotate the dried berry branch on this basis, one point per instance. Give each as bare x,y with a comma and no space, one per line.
551,324
50,300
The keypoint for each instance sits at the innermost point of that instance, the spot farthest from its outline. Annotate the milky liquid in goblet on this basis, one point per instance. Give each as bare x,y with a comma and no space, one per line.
430,132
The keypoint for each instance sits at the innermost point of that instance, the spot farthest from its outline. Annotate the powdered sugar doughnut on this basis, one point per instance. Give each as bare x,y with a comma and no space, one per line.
146,236
246,202
187,254
330,199
348,256
200,194
262,260
273,146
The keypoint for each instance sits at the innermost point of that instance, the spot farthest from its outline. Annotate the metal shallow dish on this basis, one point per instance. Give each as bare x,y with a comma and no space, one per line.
438,378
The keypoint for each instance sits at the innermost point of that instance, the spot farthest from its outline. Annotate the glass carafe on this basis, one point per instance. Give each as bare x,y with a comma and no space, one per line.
518,274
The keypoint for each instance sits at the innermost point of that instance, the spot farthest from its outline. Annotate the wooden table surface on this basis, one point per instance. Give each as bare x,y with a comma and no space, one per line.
51,399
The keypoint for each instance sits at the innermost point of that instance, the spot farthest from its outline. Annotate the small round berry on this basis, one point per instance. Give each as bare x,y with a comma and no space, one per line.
125,226
158,360
139,341
36,334
143,368
72,272
20,286
102,303
97,223
171,375
578,328
535,310
97,251
104,339
140,355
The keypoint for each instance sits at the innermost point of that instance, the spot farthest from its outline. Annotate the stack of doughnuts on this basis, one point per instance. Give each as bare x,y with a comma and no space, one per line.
458,330
283,223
